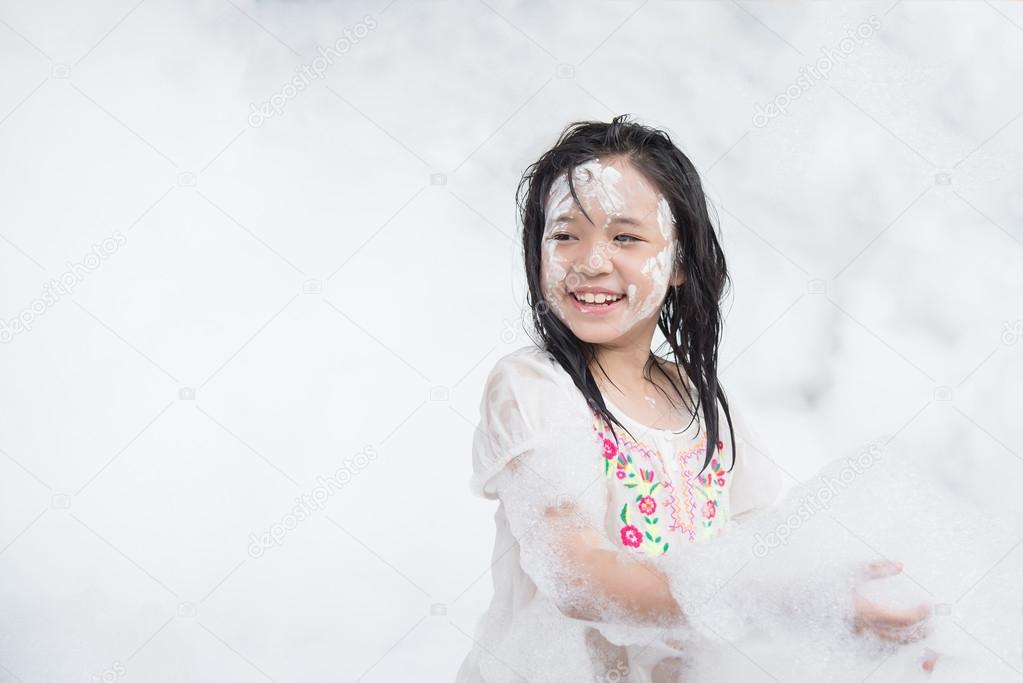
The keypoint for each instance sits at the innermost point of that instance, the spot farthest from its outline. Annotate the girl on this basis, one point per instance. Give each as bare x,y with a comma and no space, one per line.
612,464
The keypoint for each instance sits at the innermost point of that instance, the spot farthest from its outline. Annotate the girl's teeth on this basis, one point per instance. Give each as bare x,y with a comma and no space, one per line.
597,298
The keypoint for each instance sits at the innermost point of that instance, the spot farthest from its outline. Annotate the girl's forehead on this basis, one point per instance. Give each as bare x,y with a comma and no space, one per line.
610,186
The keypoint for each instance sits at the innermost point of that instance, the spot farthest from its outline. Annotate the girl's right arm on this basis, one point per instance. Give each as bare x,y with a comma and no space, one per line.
535,450
587,578
636,589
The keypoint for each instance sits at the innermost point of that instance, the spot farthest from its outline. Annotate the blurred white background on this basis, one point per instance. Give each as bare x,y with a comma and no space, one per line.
224,296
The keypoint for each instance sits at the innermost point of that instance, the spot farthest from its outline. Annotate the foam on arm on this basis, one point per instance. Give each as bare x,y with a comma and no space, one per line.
535,451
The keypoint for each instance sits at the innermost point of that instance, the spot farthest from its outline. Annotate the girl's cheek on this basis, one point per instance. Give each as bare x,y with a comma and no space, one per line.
646,294
553,267
630,316
553,271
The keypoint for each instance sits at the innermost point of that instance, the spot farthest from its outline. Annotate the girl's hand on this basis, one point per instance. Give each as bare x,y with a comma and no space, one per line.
895,625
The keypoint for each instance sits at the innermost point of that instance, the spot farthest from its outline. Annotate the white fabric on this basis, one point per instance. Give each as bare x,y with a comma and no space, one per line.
531,413
765,596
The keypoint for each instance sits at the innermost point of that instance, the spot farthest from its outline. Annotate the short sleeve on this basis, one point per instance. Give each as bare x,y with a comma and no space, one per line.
536,451
528,403
756,480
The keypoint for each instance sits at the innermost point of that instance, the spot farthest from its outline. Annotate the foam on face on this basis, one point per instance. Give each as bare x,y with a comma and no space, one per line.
658,270
604,186
665,219
601,184
553,271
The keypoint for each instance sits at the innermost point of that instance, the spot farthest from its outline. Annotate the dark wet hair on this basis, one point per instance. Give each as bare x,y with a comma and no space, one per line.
690,317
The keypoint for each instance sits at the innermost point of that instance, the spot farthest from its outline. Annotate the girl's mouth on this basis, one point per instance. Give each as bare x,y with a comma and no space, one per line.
594,307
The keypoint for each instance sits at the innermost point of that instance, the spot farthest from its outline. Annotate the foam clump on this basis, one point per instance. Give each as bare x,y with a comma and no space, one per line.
772,598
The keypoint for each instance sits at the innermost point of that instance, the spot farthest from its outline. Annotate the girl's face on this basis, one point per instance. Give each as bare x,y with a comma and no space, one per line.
607,278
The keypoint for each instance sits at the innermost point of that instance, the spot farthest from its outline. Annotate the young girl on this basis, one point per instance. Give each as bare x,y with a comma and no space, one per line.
613,465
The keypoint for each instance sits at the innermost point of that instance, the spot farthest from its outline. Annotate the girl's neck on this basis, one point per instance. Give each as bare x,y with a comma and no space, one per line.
622,373
623,366
625,369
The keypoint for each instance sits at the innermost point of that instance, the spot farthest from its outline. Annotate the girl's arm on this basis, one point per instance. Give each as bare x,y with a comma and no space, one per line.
565,554
633,588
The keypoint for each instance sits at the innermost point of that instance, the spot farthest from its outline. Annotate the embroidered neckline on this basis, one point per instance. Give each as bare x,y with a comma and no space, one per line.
682,510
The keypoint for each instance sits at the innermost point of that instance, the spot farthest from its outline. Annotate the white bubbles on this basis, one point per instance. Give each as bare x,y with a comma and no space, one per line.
798,589
772,598
665,219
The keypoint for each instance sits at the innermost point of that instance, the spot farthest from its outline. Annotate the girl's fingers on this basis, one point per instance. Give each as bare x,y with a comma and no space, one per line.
901,626
892,618
903,618
879,569
902,635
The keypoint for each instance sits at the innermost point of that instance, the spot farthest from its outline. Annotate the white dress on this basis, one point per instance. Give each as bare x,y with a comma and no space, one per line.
645,493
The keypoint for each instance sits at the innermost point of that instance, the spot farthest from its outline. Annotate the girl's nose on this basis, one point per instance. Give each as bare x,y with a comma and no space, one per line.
596,262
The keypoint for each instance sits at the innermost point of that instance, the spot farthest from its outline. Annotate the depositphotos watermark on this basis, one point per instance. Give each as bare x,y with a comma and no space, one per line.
110,674
308,503
818,500
1012,332
819,70
307,73
62,286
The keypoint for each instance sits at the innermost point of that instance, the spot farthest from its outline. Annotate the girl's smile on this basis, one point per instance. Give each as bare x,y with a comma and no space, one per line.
596,300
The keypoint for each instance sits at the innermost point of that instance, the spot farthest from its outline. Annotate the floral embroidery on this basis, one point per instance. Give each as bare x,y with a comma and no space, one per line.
692,509
710,487
610,450
716,475
630,536
625,469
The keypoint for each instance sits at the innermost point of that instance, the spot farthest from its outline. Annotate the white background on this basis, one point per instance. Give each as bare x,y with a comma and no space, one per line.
340,278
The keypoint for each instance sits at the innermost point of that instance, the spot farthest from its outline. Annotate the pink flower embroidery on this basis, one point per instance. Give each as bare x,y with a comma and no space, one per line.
647,505
709,509
717,476
620,474
610,451
631,536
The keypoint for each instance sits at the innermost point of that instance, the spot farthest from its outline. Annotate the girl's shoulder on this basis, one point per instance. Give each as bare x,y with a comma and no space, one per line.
531,380
530,352
530,364
529,403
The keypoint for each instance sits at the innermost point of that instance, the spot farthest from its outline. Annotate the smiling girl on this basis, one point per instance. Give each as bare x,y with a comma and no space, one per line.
613,464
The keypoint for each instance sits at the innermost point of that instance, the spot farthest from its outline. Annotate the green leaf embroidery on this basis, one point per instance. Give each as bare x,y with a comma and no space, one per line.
625,514
647,534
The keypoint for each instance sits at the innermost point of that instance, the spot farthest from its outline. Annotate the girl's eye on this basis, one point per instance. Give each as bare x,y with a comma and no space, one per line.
559,236
629,237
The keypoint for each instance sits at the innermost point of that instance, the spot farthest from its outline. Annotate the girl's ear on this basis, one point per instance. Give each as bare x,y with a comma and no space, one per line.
678,278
